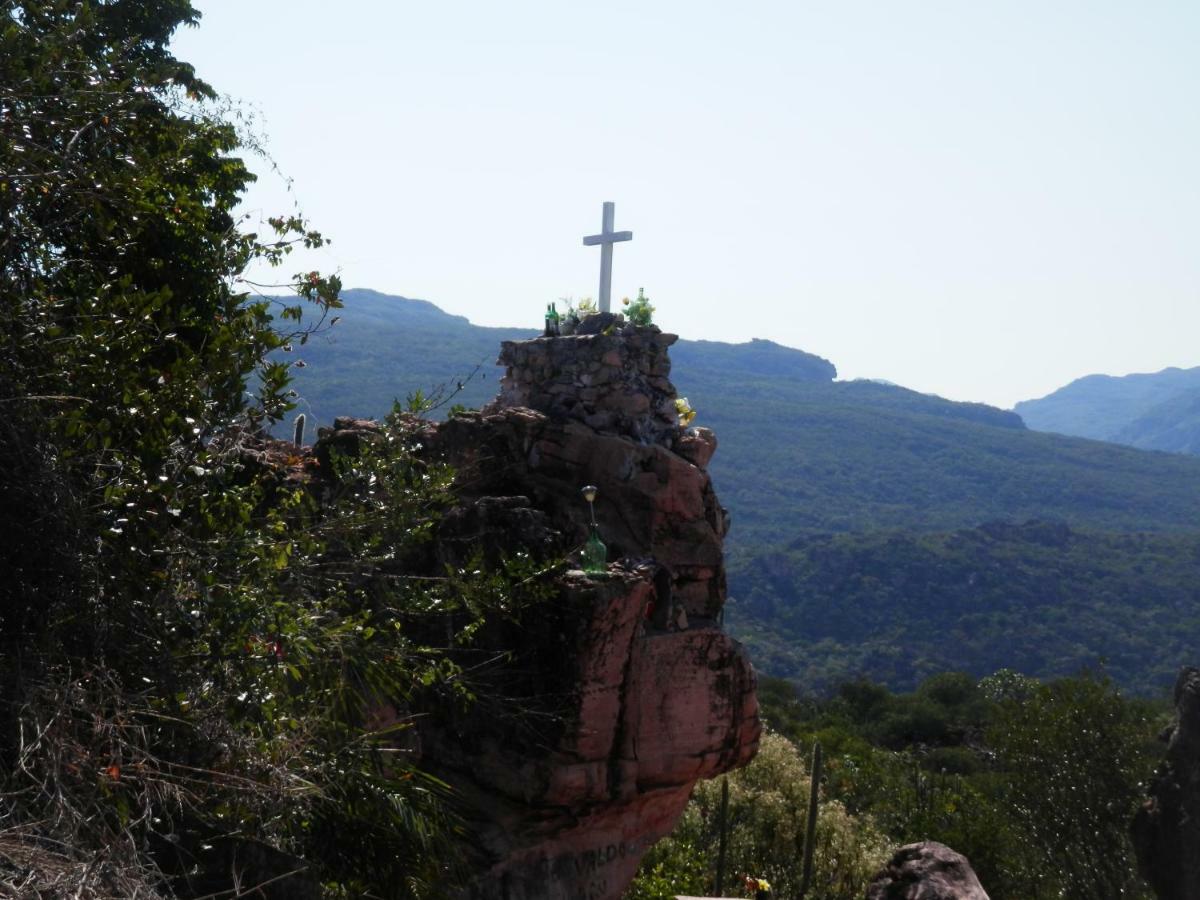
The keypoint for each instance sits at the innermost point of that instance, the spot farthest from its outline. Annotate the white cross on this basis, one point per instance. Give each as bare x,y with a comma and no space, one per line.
606,238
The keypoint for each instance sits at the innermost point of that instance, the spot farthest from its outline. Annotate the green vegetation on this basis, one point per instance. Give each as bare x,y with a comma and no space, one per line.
639,311
1035,783
193,652
1040,597
768,805
799,458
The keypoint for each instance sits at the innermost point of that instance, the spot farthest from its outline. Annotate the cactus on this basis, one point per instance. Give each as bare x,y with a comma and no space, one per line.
722,830
298,430
810,831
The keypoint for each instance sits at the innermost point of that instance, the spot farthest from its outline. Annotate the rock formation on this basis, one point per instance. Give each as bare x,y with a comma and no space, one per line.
1166,830
628,690
926,871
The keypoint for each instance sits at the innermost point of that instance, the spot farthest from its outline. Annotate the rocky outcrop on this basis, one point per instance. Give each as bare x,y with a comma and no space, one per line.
1166,830
623,691
926,871
654,502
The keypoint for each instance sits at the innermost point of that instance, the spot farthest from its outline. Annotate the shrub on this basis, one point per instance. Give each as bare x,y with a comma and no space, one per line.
768,802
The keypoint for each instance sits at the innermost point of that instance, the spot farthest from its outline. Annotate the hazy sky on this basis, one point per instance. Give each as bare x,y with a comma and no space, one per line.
982,199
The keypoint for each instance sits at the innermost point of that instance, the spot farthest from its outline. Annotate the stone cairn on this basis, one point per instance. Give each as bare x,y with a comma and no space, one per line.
612,377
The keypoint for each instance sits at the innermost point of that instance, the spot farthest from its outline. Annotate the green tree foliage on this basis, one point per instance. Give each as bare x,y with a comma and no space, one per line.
208,674
768,804
1078,754
119,254
1040,597
1034,783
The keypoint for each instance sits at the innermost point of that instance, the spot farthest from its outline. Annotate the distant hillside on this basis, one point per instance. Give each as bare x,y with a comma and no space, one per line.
1173,426
1041,598
799,453
385,348
1158,411
713,361
799,458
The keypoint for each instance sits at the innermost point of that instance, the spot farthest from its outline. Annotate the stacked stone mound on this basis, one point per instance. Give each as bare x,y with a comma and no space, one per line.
628,690
615,381
1166,830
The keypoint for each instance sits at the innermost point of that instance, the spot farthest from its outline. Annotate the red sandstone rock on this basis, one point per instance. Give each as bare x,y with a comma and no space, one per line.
652,503
565,805
629,689
697,446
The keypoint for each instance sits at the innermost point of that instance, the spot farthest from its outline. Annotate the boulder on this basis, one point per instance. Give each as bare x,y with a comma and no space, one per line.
926,871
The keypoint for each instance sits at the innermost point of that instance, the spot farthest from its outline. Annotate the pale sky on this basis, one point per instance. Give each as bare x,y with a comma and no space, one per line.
983,199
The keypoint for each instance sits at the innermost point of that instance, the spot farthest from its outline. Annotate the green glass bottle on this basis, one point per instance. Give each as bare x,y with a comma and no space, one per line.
595,554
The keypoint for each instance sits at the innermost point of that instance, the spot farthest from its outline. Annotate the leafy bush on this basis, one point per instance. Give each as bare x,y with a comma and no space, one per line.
768,803
202,664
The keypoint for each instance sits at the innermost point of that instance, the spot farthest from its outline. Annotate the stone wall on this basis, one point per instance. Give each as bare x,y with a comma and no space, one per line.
615,382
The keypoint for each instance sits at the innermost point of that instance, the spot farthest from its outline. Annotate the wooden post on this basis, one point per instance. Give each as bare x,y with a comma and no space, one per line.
722,823
810,832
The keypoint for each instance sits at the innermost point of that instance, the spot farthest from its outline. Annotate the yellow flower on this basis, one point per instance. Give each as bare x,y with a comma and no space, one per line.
684,410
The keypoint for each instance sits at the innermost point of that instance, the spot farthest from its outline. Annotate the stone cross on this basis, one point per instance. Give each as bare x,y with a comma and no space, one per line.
606,238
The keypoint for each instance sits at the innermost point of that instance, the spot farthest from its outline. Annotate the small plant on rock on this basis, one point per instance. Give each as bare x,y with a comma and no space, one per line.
639,311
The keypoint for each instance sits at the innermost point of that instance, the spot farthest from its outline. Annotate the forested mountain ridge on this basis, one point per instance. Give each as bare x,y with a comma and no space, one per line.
799,453
1039,598
1152,411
